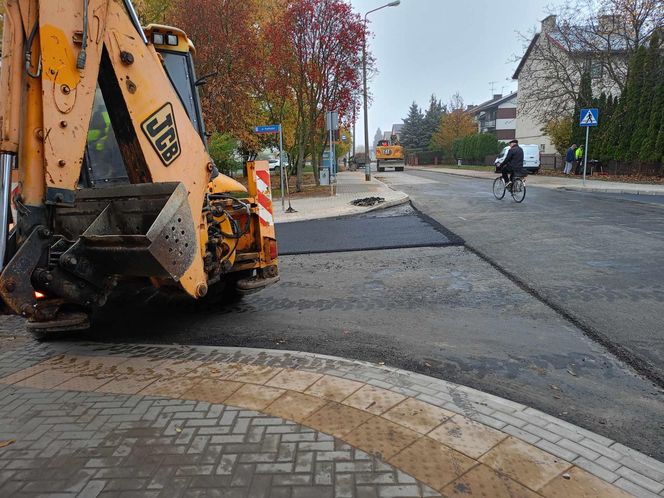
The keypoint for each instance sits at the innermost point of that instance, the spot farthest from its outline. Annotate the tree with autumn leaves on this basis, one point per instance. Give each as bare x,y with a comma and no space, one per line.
316,46
227,40
272,61
455,124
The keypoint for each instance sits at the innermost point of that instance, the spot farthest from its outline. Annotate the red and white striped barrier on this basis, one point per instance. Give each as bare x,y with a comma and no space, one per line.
264,197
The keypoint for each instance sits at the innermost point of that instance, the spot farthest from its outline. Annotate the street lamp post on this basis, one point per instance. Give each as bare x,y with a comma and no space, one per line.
367,152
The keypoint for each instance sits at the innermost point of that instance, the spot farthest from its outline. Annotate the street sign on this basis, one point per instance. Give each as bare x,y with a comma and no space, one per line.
326,160
276,129
267,129
589,117
332,120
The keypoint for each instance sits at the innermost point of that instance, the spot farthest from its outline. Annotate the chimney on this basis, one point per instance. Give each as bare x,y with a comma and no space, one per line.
549,24
608,23
497,96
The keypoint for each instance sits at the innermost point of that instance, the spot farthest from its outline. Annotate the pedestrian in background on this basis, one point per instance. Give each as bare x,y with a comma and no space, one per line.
579,160
569,159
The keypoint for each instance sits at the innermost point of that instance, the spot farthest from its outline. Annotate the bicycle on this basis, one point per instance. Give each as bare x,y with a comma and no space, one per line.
517,188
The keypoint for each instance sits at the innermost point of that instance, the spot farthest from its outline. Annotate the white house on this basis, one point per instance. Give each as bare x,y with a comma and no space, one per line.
497,116
549,73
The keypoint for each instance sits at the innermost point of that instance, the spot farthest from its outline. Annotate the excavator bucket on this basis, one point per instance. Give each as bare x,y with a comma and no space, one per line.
138,230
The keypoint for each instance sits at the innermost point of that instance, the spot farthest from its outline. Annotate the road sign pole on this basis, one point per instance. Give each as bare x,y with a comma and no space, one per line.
585,154
281,166
331,154
588,118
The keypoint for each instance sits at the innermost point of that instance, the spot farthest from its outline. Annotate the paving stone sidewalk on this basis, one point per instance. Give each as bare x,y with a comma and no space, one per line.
351,185
131,420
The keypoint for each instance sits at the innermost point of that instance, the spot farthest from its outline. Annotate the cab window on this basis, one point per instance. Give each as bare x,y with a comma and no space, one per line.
180,70
103,164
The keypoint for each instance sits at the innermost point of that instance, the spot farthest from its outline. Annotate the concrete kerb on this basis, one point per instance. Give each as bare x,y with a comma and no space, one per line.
610,190
360,210
389,204
602,457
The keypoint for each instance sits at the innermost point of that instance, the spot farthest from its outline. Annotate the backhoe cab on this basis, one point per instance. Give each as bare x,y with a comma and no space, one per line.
102,132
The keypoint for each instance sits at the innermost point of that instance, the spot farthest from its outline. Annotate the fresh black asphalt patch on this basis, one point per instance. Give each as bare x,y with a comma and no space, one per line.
359,233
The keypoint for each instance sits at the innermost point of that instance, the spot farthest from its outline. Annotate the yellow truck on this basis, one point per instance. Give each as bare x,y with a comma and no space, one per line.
389,153
101,127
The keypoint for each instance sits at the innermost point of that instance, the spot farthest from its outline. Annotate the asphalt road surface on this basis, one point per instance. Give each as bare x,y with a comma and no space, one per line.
597,258
442,311
403,229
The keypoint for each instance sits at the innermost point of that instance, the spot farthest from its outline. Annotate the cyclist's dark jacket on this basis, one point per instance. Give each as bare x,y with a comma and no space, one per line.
514,161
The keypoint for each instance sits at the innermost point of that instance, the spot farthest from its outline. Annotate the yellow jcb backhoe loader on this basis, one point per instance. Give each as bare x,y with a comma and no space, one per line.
101,127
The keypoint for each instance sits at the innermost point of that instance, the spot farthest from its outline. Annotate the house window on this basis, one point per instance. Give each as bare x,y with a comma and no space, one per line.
595,68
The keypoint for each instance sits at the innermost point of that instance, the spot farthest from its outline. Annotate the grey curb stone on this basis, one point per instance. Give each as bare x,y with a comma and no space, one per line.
634,489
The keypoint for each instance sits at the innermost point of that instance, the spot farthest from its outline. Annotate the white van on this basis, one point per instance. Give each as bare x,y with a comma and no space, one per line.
531,157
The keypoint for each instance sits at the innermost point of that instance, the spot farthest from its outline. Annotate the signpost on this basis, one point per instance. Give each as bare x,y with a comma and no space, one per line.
271,129
332,124
588,118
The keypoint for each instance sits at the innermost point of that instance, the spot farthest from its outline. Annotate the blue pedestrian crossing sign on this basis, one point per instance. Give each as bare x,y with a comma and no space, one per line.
589,117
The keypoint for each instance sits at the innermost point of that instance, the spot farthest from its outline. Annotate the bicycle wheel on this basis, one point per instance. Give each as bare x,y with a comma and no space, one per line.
499,188
518,190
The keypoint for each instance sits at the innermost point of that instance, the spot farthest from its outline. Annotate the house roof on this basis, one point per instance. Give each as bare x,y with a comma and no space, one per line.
492,103
525,56
578,40
396,128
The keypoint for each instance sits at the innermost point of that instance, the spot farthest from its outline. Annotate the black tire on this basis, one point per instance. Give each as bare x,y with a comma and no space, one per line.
381,169
399,169
518,190
499,188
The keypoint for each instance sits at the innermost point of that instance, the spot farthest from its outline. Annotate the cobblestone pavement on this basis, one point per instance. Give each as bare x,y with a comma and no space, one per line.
128,420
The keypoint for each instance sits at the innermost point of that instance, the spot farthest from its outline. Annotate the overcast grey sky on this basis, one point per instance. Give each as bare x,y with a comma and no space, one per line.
441,47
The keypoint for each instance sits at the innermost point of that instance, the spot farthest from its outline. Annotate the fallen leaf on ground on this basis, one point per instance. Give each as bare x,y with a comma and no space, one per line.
7,443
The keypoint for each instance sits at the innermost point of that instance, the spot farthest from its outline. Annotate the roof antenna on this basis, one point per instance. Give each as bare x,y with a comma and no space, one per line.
493,85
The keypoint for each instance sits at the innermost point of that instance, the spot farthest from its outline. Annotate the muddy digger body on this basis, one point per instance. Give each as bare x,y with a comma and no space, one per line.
105,174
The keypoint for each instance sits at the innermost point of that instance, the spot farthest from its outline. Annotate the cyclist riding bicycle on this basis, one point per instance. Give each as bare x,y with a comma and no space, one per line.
513,164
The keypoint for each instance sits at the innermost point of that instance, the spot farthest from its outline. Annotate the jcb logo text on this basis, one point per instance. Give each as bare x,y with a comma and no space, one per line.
163,134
